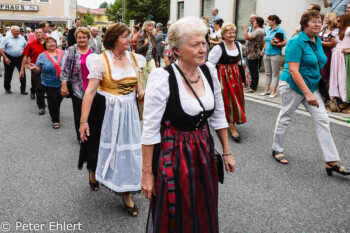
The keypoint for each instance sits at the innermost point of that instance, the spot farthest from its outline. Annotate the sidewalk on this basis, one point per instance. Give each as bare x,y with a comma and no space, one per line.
277,100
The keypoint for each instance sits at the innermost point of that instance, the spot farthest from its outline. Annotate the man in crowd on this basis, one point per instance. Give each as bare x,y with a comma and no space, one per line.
95,39
215,13
249,30
8,31
21,32
11,49
71,38
51,32
31,53
165,42
337,6
315,7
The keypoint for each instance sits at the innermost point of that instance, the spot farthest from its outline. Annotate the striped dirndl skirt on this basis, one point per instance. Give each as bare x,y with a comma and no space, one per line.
186,183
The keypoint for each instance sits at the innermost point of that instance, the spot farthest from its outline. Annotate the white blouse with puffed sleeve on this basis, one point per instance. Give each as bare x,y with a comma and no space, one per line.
96,68
157,95
215,54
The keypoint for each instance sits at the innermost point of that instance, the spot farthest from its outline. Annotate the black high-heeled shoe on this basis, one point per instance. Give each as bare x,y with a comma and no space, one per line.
336,168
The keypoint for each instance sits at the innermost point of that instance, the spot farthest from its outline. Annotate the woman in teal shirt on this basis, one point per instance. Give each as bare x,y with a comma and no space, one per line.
299,84
272,53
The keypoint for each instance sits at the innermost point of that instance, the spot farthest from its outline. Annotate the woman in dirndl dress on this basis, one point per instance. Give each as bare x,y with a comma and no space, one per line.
179,172
227,56
110,125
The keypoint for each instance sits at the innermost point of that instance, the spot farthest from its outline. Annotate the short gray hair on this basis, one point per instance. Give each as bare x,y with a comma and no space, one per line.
159,25
14,26
93,28
184,28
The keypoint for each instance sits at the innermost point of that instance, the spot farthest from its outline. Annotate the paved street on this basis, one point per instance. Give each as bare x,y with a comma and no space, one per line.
40,182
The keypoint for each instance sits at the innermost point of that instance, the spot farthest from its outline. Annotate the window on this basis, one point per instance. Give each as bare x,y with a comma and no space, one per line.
44,1
243,11
26,1
207,7
180,10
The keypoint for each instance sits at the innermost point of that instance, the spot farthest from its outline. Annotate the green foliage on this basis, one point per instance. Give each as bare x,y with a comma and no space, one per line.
89,20
156,10
103,5
140,11
114,11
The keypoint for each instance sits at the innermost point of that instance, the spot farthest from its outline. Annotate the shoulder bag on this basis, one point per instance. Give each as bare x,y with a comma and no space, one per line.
218,157
140,103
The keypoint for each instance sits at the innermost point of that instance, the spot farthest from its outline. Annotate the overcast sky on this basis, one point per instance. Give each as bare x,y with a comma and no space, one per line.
93,4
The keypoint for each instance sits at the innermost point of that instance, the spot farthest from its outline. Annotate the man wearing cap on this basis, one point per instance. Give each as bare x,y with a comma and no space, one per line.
11,49
21,32
31,53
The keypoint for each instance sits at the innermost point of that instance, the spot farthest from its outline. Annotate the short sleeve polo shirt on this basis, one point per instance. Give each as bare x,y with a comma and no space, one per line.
270,34
311,57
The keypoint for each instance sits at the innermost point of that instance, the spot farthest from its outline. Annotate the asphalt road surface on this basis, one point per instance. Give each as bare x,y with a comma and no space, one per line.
41,189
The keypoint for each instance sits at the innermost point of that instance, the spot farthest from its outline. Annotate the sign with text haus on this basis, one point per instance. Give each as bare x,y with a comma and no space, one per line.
18,7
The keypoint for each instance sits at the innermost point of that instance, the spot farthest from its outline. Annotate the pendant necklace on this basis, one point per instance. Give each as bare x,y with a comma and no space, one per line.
119,56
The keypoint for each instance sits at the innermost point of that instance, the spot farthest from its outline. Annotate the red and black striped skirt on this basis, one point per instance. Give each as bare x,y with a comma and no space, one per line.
232,93
186,183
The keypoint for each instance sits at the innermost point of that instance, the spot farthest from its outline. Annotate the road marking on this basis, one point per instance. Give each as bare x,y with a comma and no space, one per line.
303,112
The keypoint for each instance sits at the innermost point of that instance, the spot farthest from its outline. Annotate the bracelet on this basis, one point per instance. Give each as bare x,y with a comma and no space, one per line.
227,154
82,122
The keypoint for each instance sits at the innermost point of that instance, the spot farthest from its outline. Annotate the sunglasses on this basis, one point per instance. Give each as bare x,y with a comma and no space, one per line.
338,21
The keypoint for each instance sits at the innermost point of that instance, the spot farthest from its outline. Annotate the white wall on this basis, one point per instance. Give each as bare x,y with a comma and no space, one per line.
192,8
226,10
288,11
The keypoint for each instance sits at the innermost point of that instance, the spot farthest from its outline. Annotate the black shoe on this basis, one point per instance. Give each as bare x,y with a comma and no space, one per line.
32,96
236,139
8,92
41,111
24,93
281,159
336,168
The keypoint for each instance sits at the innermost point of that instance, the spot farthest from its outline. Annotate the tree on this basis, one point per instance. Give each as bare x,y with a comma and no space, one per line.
103,5
156,10
114,11
88,20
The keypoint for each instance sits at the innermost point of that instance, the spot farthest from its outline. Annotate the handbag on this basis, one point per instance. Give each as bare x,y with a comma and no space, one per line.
322,86
218,157
140,103
240,67
278,37
69,84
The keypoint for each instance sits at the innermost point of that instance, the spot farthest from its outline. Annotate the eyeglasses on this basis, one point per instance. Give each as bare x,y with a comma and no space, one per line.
338,21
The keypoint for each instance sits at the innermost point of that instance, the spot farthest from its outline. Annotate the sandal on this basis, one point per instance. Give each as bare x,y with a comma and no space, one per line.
131,210
336,168
94,186
56,125
279,159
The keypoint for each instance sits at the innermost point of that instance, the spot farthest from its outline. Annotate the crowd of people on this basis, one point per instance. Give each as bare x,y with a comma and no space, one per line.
115,81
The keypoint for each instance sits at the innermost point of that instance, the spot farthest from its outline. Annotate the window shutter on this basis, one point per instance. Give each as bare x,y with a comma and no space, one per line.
207,7
243,11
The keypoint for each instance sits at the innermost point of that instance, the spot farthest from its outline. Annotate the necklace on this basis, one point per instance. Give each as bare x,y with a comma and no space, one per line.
119,56
231,47
195,81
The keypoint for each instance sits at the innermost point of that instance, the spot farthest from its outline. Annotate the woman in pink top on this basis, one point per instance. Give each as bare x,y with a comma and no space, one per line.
339,84
74,72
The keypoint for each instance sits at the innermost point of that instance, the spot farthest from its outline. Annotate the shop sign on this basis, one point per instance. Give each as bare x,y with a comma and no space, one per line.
17,7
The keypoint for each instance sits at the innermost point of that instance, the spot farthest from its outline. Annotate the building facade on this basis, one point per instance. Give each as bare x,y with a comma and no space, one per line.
31,12
98,14
238,11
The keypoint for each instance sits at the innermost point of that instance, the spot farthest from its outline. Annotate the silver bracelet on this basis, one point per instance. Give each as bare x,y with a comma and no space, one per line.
227,154
82,122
